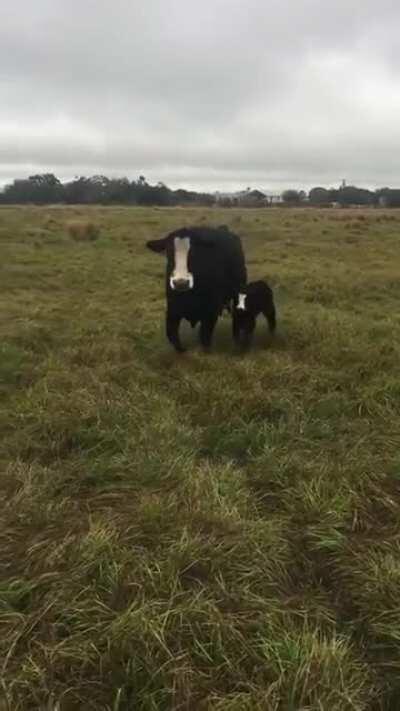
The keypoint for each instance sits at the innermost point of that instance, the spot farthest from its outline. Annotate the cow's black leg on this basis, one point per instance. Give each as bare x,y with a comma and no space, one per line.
172,325
207,326
270,315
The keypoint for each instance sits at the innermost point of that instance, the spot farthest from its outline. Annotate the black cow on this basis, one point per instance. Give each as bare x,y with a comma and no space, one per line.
205,271
257,299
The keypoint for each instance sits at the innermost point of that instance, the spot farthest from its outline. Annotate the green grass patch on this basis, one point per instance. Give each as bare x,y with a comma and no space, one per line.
199,532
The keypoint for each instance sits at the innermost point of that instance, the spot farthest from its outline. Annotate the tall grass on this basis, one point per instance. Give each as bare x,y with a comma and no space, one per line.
199,532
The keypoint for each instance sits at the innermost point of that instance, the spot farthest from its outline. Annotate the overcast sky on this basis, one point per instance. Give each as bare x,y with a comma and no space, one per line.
202,93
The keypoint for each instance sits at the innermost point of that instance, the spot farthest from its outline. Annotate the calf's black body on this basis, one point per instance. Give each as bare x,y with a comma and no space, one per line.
259,299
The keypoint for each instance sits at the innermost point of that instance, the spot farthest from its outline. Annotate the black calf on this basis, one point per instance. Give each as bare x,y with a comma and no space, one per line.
258,300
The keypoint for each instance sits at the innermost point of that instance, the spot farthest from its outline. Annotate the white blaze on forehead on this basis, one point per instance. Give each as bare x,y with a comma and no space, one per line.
181,271
242,302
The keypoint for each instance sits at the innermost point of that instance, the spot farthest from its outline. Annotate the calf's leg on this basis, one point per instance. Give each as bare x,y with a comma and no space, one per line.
243,330
270,314
236,330
248,331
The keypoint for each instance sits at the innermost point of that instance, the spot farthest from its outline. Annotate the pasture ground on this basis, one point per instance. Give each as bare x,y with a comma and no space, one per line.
207,532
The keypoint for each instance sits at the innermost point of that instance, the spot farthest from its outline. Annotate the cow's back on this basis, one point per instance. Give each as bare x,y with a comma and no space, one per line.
224,263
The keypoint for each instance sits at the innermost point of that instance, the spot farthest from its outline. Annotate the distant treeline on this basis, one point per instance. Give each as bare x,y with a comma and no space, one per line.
345,196
47,189
97,190
348,195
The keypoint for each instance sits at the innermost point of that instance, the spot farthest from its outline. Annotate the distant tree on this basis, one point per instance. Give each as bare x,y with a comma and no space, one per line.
74,191
387,197
227,201
250,198
83,191
39,189
46,188
292,197
119,191
382,197
319,196
333,194
163,194
181,197
98,189
95,190
351,195
394,198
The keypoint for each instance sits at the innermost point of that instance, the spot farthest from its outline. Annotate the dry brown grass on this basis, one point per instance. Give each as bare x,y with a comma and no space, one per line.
83,231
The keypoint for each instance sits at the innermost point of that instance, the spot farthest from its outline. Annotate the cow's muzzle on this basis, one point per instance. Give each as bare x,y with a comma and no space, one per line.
181,284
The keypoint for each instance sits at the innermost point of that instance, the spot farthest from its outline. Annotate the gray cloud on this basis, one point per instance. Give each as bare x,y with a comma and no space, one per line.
211,94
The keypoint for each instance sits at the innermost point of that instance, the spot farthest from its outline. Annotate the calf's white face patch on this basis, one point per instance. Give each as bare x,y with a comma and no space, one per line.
181,272
242,302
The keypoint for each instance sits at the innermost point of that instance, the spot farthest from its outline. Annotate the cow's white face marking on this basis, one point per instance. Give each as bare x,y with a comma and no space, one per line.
242,302
181,272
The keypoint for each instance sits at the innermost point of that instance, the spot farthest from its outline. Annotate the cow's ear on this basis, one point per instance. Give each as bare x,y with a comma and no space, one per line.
157,245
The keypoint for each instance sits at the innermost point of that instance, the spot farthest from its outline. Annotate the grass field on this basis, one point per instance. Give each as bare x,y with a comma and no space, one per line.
202,531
